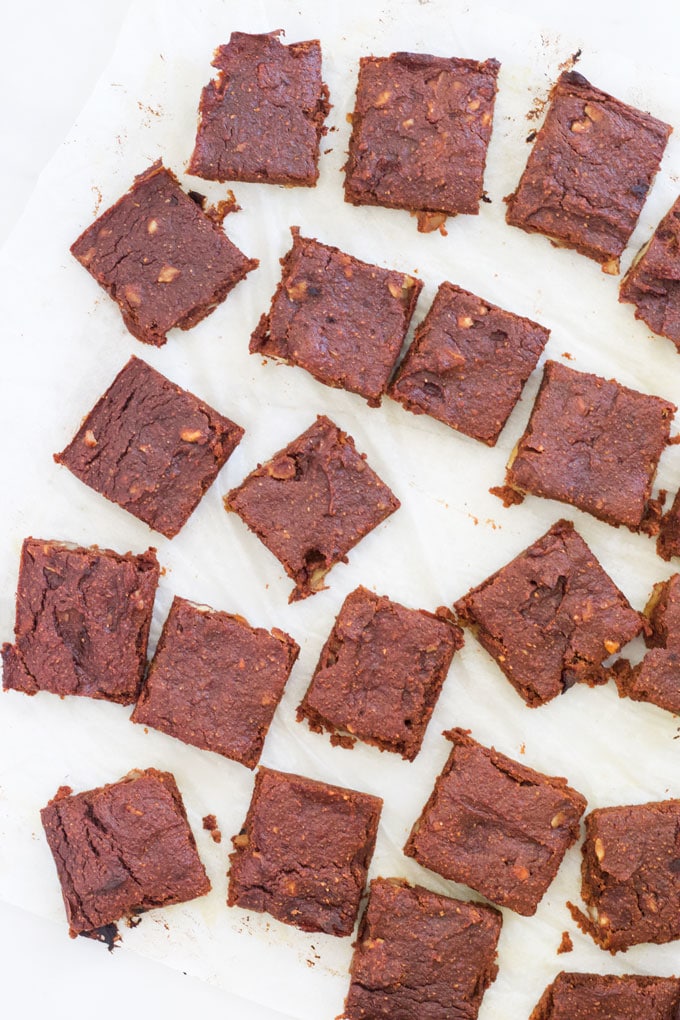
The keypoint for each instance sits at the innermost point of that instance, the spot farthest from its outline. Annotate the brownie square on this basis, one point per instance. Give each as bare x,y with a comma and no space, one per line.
342,320
551,616
311,503
123,848
589,171
151,447
468,363
496,825
82,621
420,130
668,542
380,673
656,679
594,444
303,852
630,875
420,954
215,681
262,117
163,260
652,283
609,997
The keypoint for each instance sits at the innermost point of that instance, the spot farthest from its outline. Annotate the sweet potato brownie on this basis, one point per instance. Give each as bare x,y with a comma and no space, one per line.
588,174
496,825
162,259
420,130
380,673
657,678
668,542
303,852
151,447
262,117
123,848
594,444
631,875
82,621
420,954
468,363
551,616
609,997
215,681
311,503
652,283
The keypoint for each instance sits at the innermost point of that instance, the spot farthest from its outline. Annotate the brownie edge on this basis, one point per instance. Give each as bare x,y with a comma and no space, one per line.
578,996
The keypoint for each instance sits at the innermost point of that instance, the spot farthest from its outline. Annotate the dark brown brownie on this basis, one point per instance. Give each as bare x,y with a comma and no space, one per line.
468,363
631,875
311,503
609,997
82,621
380,673
652,283
496,825
657,678
151,447
123,848
420,954
591,166
551,616
420,130
303,852
215,681
594,444
162,259
668,542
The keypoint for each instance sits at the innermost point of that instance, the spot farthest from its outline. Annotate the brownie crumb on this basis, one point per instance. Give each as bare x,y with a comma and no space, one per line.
507,495
210,825
566,945
107,933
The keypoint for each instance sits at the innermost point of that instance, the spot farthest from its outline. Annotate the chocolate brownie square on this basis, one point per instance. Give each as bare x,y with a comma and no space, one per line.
588,174
215,681
342,320
123,848
151,447
82,621
496,825
262,117
420,130
420,954
468,363
657,678
551,616
609,997
380,673
668,542
652,283
304,851
311,503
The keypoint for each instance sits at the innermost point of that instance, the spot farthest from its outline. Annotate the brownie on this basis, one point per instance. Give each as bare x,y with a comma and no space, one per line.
420,954
589,171
594,444
163,260
609,997
551,616
652,283
420,130
657,678
468,363
151,447
123,848
380,673
82,621
215,681
311,503
630,876
668,542
303,852
496,825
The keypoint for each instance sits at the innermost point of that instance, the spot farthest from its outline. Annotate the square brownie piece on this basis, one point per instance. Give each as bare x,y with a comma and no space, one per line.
630,875
496,825
342,320
123,848
303,852
151,447
594,444
420,954
588,174
652,283
215,681
551,616
82,621
420,130
163,260
380,673
609,997
468,363
262,117
657,678
668,542
311,503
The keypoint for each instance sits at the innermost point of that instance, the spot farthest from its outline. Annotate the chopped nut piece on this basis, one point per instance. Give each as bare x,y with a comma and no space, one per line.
89,438
152,226
297,291
282,468
599,849
612,646
611,267
168,274
132,295
383,98
191,435
465,322
431,221
579,126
